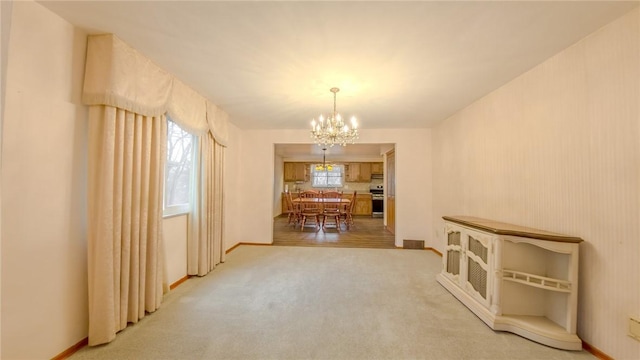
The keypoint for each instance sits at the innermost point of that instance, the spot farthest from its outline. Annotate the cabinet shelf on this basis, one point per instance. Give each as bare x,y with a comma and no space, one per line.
538,328
536,281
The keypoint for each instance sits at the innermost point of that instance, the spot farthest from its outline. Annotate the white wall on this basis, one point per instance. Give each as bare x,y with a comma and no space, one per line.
44,271
233,189
413,173
5,29
174,233
558,149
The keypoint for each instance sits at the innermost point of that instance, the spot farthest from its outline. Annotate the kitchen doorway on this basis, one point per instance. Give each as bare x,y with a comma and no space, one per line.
363,173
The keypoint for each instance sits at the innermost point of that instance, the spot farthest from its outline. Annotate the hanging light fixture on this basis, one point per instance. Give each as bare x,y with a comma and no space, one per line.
324,166
333,130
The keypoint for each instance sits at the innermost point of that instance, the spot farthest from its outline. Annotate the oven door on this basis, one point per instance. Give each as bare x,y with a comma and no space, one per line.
377,205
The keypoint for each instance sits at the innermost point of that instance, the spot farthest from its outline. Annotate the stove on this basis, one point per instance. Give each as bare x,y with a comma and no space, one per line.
377,200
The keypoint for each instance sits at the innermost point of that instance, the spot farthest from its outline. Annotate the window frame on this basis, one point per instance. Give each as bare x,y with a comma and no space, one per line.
327,186
185,208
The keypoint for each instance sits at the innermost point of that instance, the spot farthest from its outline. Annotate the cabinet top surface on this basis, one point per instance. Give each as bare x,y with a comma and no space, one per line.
344,193
501,228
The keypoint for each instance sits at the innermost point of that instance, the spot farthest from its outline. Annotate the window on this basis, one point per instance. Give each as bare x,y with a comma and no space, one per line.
179,170
327,178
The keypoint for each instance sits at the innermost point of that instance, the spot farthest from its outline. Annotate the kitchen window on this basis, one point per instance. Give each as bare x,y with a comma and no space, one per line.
179,170
329,176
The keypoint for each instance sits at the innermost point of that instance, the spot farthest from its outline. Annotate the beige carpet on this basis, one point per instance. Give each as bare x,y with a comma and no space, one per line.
318,303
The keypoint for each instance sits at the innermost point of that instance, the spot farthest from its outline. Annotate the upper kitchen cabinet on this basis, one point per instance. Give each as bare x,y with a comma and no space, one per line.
357,172
351,172
295,171
377,168
365,172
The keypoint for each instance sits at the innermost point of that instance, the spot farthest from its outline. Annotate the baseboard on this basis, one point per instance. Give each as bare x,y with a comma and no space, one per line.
180,281
595,351
84,342
427,248
243,243
434,250
70,351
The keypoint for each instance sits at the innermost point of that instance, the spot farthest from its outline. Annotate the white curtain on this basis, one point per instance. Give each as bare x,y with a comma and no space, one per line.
205,247
128,96
125,247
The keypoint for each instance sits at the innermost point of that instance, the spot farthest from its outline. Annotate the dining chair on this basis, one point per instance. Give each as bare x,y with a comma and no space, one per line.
293,210
347,212
310,209
331,210
309,194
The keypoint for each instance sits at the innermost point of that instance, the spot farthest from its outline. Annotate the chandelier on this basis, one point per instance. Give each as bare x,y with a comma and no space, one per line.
333,130
324,166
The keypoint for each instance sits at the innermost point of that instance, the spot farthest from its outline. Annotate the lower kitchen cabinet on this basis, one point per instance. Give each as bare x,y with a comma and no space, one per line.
363,204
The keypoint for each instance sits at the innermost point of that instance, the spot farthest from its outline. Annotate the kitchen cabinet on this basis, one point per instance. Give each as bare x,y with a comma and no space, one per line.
515,279
294,171
377,168
357,172
351,172
365,172
363,204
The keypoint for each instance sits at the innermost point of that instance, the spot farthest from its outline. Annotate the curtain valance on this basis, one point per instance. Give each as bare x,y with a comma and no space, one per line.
188,108
118,75
218,121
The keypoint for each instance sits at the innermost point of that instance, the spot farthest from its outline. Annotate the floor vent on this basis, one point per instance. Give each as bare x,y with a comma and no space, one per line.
413,244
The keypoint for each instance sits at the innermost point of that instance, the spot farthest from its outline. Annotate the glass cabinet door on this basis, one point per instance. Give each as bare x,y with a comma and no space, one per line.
453,254
477,260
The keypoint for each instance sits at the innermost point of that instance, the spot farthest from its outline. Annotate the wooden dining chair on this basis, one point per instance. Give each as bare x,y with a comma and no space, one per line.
331,210
310,209
347,212
292,209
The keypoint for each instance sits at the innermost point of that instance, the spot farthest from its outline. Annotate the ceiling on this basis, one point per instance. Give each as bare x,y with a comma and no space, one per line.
270,65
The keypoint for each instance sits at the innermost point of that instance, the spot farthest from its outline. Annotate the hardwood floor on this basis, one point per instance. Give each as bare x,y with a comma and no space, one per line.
367,232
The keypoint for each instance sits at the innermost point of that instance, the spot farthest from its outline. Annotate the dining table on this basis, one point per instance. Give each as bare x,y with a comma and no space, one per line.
343,202
343,205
